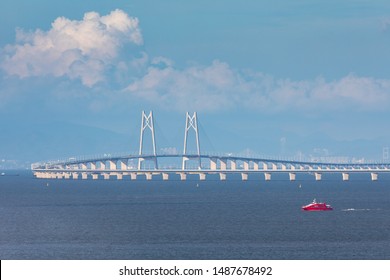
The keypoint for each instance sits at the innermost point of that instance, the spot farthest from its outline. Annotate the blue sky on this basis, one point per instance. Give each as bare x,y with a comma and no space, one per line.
279,78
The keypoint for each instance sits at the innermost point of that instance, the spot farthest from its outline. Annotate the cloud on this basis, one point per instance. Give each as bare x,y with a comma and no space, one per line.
82,49
91,51
219,87
204,88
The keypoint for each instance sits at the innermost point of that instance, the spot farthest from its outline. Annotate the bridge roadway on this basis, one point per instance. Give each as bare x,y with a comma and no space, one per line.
120,166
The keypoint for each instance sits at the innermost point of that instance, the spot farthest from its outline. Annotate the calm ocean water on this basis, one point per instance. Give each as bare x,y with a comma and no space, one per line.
256,219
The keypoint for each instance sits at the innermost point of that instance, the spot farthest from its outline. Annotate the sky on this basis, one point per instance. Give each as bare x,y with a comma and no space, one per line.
276,78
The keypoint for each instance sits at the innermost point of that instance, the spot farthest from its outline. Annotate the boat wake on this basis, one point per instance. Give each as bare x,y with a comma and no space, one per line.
353,209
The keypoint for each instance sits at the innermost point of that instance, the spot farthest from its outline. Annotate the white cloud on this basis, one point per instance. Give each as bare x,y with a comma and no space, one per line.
219,87
89,50
203,88
77,49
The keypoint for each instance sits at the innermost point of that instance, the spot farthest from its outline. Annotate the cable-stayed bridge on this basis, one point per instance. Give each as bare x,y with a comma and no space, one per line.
181,165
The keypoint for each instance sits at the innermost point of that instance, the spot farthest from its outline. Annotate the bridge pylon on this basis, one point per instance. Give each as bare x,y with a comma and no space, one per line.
147,123
191,123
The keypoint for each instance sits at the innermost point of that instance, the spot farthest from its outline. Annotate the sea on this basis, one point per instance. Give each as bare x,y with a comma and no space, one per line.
48,219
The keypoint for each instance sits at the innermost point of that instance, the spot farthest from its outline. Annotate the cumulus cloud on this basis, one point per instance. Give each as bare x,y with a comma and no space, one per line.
218,87
89,50
82,49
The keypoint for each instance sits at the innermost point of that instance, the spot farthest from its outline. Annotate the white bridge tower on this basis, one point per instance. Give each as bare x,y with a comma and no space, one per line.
147,123
191,123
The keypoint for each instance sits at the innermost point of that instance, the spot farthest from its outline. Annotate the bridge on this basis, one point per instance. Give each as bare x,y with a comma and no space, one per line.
184,164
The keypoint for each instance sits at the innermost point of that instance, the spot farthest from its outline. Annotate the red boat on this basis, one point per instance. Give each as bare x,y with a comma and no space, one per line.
317,206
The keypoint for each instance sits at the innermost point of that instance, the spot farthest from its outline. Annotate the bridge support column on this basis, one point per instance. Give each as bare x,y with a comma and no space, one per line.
244,176
66,175
202,176
95,176
292,167
140,160
183,176
148,176
83,166
112,165
222,176
123,165
75,176
246,165
84,176
106,176
345,176
92,165
213,163
133,176
374,176
255,166
233,165
267,176
318,176
223,165
291,176
165,176
119,176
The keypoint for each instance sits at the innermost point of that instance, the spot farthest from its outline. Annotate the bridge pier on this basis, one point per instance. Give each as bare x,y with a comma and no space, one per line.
165,176
318,176
111,165
213,163
374,176
202,176
291,176
122,165
345,176
222,176
95,176
84,176
233,165
183,176
244,176
223,165
148,176
133,176
267,176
